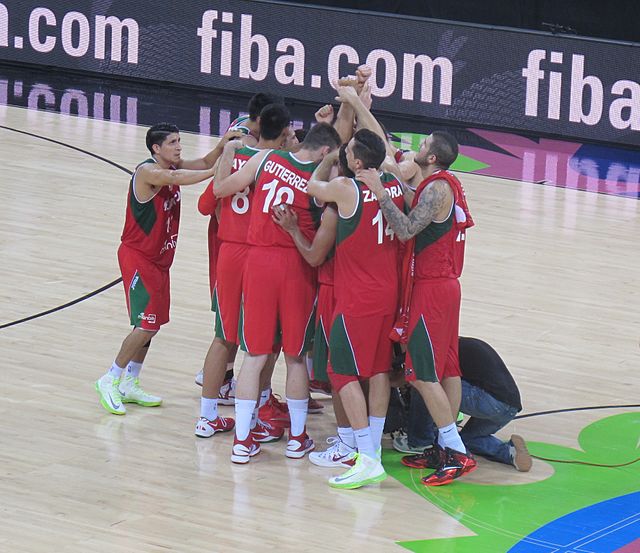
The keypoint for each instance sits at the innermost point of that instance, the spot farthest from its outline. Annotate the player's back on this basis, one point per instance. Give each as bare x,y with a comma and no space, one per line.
366,261
235,211
282,179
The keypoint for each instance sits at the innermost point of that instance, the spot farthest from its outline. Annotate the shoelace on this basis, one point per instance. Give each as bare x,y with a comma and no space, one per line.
115,390
334,446
135,387
265,424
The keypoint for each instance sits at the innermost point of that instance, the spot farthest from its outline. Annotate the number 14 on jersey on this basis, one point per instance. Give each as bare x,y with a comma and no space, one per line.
380,222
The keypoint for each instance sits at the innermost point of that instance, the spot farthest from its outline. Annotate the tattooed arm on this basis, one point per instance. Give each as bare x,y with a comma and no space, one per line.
434,203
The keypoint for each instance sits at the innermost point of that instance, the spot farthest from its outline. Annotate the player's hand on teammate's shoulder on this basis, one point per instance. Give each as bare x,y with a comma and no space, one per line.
233,145
371,179
231,135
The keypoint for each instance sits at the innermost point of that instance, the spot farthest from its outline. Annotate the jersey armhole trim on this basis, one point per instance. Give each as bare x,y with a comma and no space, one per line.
453,204
133,188
355,209
264,159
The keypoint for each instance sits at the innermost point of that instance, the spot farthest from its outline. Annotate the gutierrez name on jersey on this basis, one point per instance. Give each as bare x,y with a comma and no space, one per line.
285,175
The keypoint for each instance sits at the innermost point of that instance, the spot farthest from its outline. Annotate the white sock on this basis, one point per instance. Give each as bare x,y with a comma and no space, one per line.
209,408
116,371
364,443
254,417
448,437
309,361
376,424
133,369
244,412
298,414
347,436
264,397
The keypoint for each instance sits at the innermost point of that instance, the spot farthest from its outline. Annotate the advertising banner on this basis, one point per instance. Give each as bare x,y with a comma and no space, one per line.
559,85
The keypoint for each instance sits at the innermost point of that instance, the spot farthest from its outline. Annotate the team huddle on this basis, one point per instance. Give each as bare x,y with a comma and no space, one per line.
330,247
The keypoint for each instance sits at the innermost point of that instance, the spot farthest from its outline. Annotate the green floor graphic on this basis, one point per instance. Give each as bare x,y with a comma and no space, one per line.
502,515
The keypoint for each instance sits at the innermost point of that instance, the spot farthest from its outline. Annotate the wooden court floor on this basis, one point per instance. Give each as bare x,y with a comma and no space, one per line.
551,281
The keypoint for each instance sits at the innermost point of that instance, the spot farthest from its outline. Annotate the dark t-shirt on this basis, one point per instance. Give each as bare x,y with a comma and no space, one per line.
481,366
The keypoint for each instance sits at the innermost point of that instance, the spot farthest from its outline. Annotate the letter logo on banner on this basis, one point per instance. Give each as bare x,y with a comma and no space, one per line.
578,83
4,25
116,26
632,104
295,60
533,75
247,42
427,66
34,30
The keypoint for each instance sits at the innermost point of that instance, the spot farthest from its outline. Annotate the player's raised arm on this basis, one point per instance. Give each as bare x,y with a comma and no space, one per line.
209,160
226,184
318,185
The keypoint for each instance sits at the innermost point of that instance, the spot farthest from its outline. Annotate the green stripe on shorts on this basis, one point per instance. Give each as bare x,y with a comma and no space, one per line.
138,300
219,332
309,332
342,356
243,345
320,355
421,353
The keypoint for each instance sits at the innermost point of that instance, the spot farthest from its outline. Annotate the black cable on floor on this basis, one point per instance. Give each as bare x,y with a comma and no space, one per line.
63,306
568,409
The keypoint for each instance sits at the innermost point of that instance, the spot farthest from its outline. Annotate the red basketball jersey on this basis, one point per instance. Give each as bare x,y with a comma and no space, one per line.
325,271
282,179
366,260
439,249
235,211
151,227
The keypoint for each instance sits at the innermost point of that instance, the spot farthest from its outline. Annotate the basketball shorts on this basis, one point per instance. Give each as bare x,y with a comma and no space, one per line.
146,288
213,246
227,295
359,347
279,292
324,315
432,349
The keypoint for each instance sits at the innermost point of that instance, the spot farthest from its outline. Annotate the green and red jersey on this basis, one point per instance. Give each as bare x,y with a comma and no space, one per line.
151,227
439,247
282,179
235,211
366,259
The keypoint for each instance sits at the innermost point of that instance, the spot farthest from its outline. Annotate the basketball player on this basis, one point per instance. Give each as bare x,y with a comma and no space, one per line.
146,253
321,253
249,126
366,293
437,224
279,286
234,216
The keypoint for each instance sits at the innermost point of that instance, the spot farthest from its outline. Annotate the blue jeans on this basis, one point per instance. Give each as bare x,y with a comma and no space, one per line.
488,415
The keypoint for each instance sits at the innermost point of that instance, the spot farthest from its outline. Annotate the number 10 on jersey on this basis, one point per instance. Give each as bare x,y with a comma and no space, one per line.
283,195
